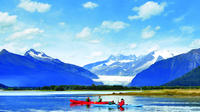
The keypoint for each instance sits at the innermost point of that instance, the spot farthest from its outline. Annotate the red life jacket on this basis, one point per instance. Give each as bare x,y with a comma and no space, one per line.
121,103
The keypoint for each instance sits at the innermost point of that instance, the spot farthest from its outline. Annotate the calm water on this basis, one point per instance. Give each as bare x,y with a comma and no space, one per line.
59,102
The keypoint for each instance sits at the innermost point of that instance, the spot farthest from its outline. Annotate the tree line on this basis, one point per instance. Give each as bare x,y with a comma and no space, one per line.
99,87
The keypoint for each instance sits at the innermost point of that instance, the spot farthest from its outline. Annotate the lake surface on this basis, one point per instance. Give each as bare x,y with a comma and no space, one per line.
33,101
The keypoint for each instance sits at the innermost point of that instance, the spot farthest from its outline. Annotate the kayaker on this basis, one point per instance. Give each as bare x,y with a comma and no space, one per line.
100,99
121,103
112,102
88,99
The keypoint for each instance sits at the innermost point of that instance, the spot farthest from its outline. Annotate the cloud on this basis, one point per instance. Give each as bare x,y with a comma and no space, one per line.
178,19
27,33
149,32
157,28
37,45
195,43
187,29
171,43
14,47
96,54
90,5
133,45
95,41
33,6
147,10
108,26
169,12
86,32
6,21
62,23
154,47
105,27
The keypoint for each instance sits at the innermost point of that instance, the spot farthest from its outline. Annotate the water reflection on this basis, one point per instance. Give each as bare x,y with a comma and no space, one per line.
90,106
60,103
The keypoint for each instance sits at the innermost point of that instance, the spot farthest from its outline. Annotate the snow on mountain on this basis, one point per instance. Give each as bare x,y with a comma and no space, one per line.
168,70
37,54
164,53
36,70
157,56
122,65
40,56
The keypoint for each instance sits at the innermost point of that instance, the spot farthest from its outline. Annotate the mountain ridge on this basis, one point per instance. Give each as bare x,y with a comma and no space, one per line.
191,78
2,86
124,65
19,70
167,70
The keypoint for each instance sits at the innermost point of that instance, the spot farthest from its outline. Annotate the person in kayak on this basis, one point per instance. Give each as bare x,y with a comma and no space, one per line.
88,99
120,104
112,102
100,99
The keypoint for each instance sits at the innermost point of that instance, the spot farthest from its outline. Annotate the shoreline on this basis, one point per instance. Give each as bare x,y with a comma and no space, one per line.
70,90
182,93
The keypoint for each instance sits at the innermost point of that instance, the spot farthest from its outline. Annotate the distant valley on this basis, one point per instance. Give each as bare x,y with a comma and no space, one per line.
121,69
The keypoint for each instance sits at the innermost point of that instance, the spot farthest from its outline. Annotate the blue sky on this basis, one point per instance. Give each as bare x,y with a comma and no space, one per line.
82,31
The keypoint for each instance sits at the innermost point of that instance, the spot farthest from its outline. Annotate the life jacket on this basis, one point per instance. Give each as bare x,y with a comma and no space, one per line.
88,100
121,103
100,100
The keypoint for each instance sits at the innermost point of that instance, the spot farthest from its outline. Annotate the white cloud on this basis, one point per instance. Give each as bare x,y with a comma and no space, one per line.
62,23
187,29
14,47
107,26
149,32
117,25
86,32
33,6
157,28
37,45
133,45
155,47
8,46
96,54
169,12
147,10
195,43
6,20
27,33
178,19
95,41
90,5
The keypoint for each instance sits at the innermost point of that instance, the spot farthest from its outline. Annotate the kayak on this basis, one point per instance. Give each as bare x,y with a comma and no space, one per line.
87,103
116,106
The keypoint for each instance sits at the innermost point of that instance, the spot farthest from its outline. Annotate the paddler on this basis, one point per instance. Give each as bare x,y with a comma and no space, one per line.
121,103
100,99
112,102
88,99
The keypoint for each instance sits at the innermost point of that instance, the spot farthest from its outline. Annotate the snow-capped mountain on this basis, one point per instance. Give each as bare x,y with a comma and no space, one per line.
36,70
122,65
40,56
170,69
125,66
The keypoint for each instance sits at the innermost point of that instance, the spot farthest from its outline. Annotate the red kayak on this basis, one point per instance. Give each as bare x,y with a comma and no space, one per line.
86,103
